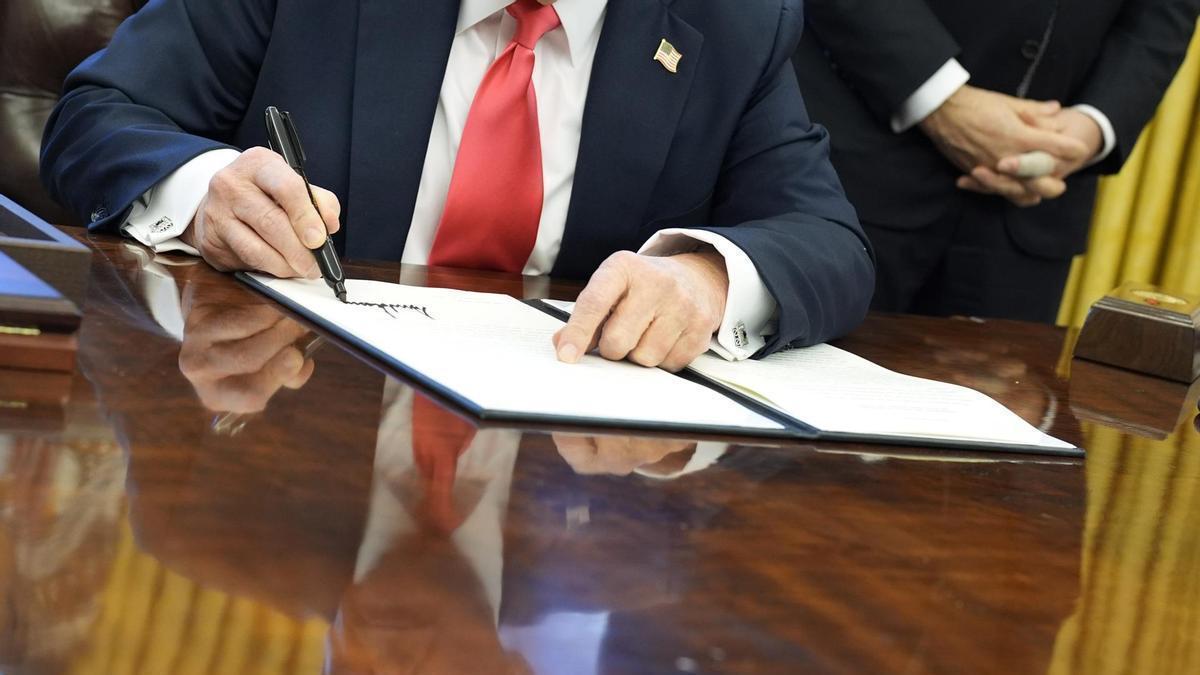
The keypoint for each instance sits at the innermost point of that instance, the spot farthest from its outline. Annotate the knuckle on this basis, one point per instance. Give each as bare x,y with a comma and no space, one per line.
331,209
223,182
674,364
694,344
672,285
574,332
209,212
647,356
220,264
252,257
694,313
615,343
328,200
258,155
292,182
620,259
300,263
272,220
191,363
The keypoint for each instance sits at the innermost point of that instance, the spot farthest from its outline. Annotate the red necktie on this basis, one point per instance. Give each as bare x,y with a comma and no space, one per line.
439,437
495,199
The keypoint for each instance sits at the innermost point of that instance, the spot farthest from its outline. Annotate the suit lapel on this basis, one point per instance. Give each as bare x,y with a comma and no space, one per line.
403,47
629,121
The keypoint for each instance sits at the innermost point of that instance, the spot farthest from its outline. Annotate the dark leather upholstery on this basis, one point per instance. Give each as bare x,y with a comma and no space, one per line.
40,42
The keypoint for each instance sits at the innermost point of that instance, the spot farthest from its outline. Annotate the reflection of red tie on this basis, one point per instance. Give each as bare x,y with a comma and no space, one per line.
495,199
439,437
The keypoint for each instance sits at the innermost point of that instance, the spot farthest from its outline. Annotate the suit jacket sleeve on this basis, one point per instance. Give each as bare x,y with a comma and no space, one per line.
885,48
791,214
1135,66
119,129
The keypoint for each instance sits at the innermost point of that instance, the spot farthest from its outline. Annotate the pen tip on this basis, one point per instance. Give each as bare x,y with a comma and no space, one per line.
341,295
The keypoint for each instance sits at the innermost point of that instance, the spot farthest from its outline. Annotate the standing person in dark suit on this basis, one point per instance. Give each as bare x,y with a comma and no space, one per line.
536,136
930,103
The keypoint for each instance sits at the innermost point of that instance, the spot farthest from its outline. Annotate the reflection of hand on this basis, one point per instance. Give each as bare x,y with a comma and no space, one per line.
989,366
616,455
975,129
257,216
652,311
237,357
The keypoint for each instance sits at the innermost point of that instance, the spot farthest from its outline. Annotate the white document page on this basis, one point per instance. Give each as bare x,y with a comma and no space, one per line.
838,392
496,352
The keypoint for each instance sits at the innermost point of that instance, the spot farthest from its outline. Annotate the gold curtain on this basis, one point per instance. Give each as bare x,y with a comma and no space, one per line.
1147,222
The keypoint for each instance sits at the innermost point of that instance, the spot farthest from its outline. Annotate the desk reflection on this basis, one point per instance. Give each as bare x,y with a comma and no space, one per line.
1139,605
238,357
995,368
60,508
623,455
353,526
434,587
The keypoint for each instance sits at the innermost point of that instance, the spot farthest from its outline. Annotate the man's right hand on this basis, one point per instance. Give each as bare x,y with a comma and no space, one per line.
257,216
977,128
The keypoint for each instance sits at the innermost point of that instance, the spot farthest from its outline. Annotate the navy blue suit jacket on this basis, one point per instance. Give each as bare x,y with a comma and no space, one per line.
724,144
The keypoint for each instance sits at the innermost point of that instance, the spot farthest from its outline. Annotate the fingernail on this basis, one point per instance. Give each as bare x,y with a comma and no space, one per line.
568,353
316,237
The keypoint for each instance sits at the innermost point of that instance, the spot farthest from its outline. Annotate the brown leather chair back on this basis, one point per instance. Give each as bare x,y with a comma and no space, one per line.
40,42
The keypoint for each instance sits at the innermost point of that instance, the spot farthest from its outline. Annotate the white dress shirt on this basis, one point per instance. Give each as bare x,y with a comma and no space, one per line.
950,78
561,75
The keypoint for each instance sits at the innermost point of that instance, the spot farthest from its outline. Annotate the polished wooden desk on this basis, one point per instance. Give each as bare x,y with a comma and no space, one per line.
200,498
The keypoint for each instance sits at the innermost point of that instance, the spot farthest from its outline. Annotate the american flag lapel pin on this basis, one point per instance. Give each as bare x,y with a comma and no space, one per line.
668,56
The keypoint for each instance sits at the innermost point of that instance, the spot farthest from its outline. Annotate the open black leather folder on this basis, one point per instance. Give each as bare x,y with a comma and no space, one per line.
492,355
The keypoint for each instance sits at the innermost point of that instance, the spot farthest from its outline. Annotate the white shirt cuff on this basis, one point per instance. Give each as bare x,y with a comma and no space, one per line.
930,96
1106,130
750,309
166,210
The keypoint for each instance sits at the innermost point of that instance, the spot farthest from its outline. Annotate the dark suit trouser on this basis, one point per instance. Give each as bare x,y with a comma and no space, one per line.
965,264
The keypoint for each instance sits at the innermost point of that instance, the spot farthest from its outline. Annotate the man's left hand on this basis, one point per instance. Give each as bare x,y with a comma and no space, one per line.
653,311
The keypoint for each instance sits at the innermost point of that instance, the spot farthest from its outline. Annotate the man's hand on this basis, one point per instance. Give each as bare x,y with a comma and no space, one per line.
257,216
975,129
653,311
1068,122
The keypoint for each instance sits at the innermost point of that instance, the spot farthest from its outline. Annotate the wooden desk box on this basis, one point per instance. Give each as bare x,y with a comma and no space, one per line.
1140,328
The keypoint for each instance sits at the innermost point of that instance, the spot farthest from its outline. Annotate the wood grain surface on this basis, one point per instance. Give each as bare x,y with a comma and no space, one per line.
224,493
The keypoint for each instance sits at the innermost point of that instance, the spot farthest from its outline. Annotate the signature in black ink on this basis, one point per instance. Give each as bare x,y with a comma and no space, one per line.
393,310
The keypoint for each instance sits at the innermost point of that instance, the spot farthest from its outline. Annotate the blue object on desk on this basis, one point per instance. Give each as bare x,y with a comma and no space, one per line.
15,280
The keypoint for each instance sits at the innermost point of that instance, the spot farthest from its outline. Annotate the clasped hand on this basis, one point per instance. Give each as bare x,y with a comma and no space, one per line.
984,134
